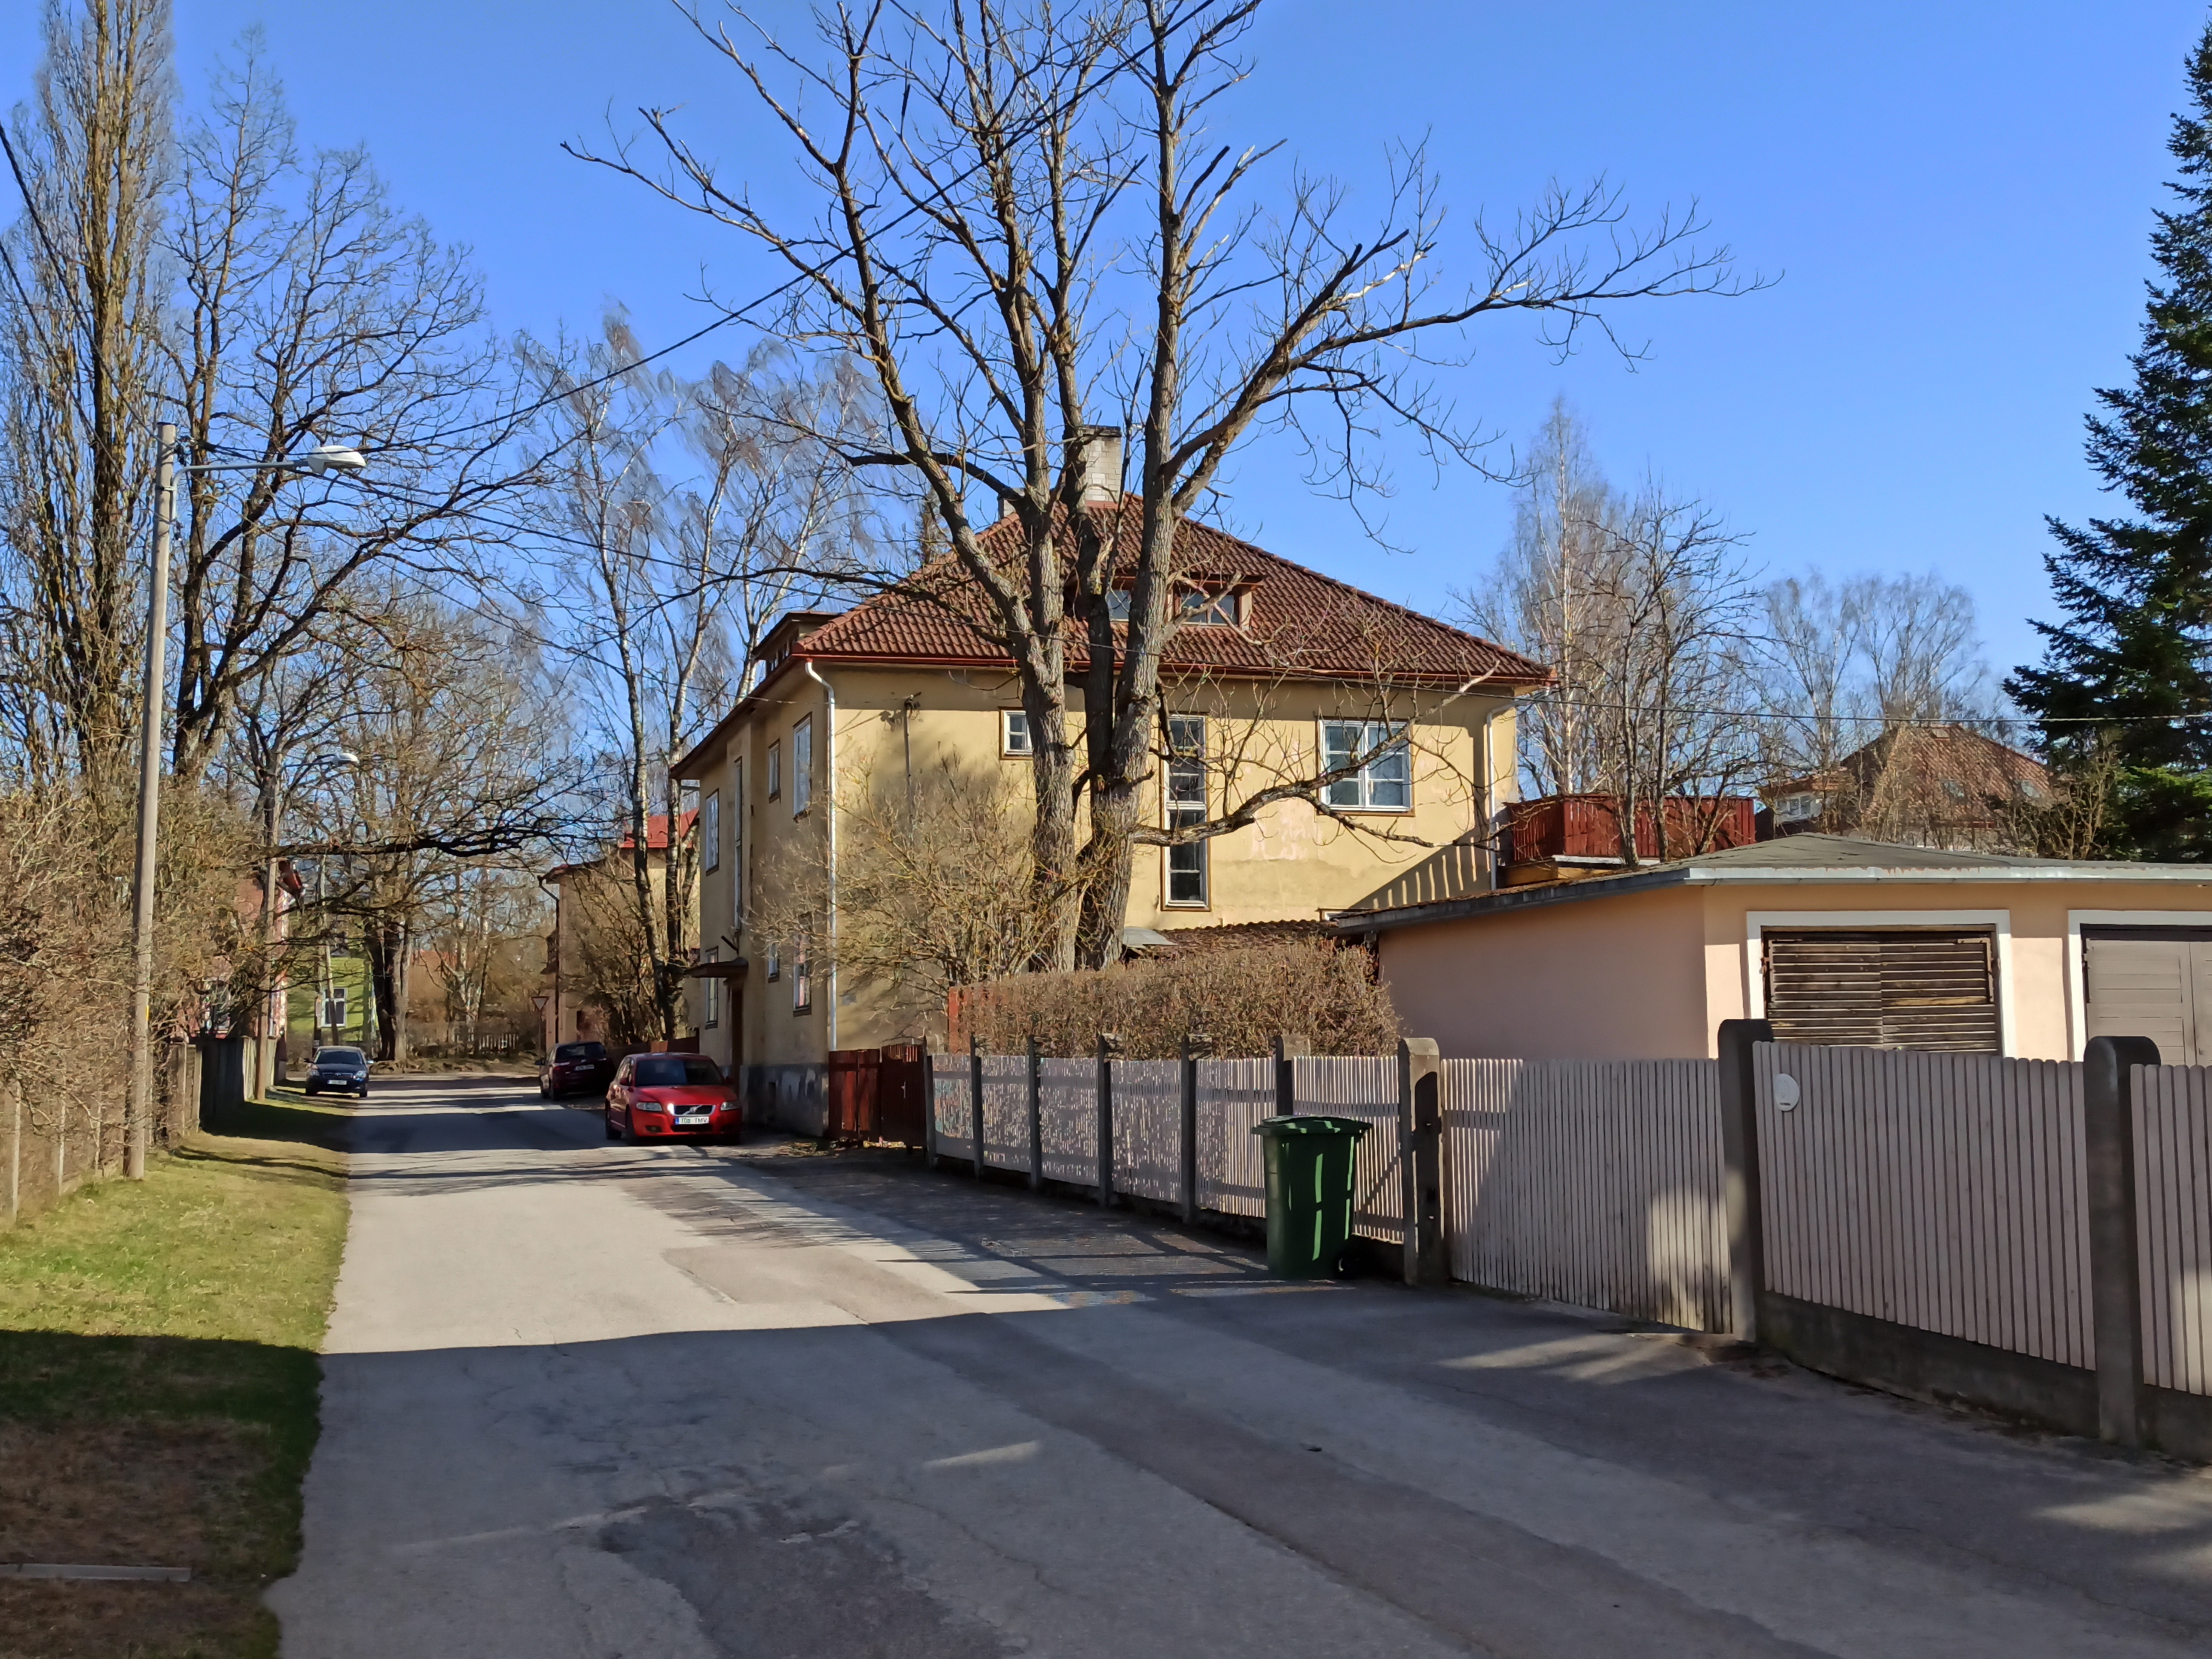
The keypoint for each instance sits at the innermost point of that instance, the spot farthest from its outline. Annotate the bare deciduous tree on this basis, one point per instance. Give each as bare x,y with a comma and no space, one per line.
933,888
457,760
83,309
673,578
1644,610
312,308
1028,227
1546,599
1854,661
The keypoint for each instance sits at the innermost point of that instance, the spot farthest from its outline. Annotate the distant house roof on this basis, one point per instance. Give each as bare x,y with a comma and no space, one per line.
656,840
1791,859
1924,780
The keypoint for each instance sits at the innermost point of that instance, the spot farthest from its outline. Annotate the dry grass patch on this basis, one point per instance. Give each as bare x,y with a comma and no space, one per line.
158,1384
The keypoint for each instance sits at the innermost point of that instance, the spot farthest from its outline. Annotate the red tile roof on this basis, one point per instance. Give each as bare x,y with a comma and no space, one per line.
656,831
1296,622
656,840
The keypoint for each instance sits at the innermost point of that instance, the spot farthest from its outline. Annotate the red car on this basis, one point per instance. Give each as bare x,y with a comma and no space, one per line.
671,1097
574,1068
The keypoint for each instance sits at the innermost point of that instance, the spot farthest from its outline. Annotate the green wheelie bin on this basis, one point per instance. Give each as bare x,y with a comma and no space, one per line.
1309,1191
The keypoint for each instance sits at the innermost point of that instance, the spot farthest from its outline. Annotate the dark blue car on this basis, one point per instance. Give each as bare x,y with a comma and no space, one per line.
344,1070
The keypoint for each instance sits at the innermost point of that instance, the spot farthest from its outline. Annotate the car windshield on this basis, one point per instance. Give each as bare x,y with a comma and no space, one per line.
676,1071
338,1057
580,1051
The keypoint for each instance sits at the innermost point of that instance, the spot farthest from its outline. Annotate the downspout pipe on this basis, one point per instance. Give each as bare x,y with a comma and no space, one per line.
828,794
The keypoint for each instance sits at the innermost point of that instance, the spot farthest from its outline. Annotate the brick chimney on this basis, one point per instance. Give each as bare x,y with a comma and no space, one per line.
1101,456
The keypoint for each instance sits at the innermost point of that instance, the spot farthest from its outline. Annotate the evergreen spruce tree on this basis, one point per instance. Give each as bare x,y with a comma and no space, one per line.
2137,592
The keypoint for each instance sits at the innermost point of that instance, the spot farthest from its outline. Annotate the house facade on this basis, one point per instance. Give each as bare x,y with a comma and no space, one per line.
1276,673
593,959
1833,940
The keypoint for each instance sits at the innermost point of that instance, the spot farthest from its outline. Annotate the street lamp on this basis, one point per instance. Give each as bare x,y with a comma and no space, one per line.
322,460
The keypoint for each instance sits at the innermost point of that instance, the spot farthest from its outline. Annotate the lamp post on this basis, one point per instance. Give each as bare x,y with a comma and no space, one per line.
320,461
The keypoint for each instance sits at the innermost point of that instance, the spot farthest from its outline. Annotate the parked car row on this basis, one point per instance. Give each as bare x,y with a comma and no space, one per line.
649,1096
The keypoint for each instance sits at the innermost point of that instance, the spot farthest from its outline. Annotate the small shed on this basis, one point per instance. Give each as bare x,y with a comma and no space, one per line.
1834,940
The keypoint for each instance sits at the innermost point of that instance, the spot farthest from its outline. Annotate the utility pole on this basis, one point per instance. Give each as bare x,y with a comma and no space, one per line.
149,814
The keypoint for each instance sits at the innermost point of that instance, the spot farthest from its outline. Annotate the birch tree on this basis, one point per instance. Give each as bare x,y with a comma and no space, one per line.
688,517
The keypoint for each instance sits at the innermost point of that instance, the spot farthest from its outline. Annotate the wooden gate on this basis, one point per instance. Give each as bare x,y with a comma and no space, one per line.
875,1094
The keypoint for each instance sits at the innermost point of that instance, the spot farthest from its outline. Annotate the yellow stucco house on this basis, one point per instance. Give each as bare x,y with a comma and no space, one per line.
1274,670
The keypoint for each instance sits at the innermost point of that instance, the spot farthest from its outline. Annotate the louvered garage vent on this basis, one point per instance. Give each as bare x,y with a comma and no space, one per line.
1903,990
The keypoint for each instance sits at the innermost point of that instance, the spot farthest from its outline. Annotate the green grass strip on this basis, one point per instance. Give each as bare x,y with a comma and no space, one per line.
158,1370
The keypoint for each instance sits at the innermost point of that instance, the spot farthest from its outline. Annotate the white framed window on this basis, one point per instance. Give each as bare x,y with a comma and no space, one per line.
334,1008
1192,606
710,831
1384,781
1014,732
1183,798
802,765
774,961
774,770
802,979
710,1013
1199,605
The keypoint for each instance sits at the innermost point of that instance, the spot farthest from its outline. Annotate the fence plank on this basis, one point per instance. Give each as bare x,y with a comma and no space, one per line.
2173,1188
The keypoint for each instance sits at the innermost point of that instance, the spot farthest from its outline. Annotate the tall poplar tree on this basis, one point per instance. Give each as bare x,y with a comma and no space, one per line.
2133,657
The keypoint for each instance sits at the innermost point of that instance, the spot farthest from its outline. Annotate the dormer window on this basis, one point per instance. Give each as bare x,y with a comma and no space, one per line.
1193,605
1198,605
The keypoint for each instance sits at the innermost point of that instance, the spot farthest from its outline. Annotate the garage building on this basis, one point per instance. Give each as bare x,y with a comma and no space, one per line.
1834,940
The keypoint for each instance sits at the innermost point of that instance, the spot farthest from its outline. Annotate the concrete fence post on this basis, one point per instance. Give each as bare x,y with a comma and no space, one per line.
1420,1160
1290,1048
975,1101
2108,1147
1109,1046
1740,1193
1195,1046
1036,1115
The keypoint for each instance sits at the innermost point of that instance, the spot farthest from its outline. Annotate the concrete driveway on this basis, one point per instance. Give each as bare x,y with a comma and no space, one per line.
585,1400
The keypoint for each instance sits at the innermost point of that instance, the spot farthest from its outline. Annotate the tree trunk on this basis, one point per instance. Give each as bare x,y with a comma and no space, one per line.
387,968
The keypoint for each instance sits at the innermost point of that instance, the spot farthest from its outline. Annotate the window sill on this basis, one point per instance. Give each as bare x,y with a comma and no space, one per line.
1370,812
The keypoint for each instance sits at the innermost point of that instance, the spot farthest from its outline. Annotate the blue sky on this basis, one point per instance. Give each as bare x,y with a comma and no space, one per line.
1954,198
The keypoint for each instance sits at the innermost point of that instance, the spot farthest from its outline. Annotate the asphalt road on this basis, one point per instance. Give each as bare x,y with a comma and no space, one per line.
584,1400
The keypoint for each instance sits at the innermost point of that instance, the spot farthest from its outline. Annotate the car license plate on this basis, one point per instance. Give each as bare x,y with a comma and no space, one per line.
690,1120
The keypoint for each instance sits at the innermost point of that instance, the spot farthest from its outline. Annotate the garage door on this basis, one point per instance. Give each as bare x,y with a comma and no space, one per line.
2154,982
1915,989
